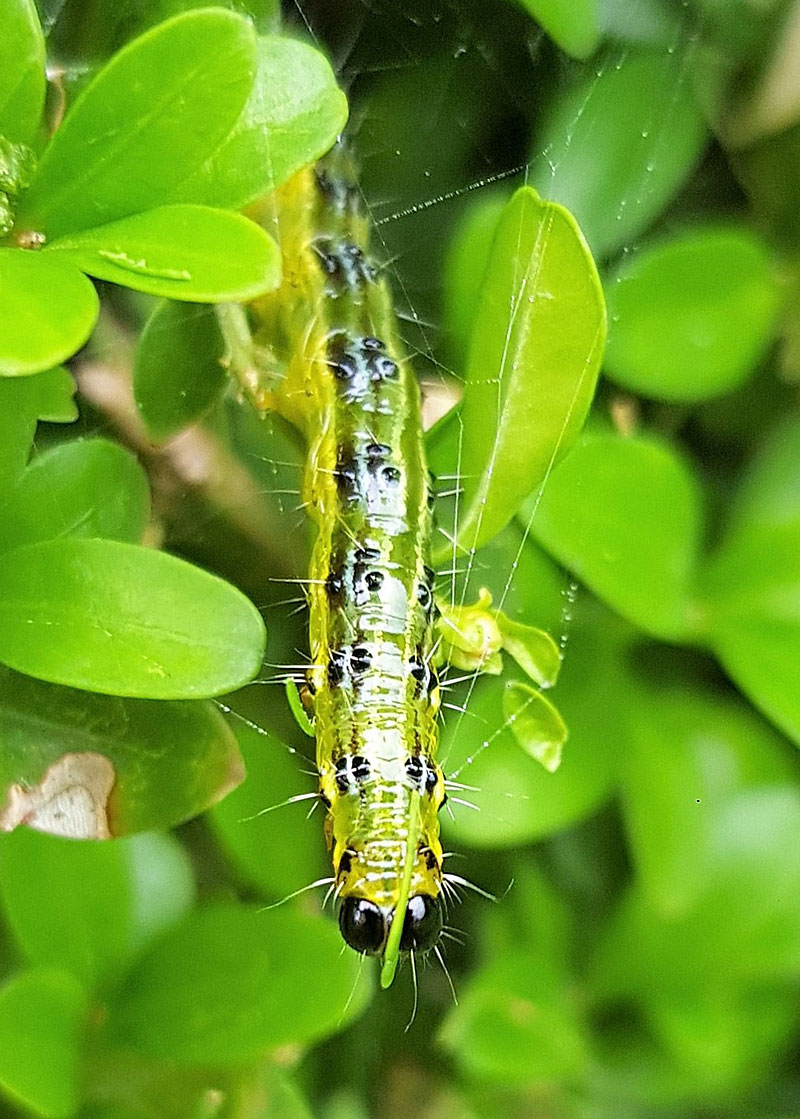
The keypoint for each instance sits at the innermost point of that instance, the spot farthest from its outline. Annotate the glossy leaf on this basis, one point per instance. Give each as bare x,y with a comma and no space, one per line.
117,618
23,401
42,1014
617,147
89,908
571,24
465,266
231,983
535,723
149,119
687,757
178,373
55,393
192,253
518,801
22,81
49,310
753,583
623,515
91,488
91,766
515,1024
690,317
533,649
536,348
293,116
259,818
746,922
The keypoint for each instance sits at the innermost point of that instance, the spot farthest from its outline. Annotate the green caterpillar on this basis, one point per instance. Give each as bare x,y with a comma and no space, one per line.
331,361
372,686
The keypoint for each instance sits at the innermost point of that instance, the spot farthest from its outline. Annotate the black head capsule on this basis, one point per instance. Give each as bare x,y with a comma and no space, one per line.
363,925
422,925
373,344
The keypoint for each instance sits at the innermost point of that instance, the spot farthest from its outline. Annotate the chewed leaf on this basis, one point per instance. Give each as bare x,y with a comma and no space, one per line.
152,116
533,649
193,253
49,310
535,352
535,723
125,620
95,766
469,637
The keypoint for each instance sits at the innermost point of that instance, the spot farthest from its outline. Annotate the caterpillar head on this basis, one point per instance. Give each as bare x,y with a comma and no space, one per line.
365,925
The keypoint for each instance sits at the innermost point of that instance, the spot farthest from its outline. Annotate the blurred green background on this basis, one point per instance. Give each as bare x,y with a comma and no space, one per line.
642,960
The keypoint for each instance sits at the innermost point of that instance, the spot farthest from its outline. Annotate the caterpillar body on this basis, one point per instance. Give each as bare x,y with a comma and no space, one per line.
371,685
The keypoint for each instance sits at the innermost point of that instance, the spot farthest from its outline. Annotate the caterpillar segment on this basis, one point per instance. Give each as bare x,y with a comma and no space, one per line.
372,687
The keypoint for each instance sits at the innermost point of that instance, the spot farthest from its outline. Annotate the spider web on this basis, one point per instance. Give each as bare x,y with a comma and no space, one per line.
440,95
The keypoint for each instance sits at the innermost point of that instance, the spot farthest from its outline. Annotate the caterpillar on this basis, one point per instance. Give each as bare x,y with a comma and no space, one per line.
332,362
372,686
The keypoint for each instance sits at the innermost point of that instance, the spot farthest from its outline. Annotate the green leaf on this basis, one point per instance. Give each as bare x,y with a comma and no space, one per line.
90,488
617,147
148,120
533,649
687,756
55,393
745,925
623,515
178,373
536,348
519,801
90,908
49,310
535,723
193,253
465,265
571,24
691,316
231,983
42,1014
516,1024
23,401
90,766
293,116
130,621
259,818
22,80
752,586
